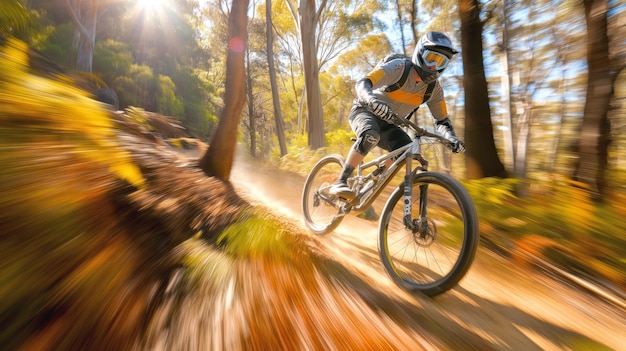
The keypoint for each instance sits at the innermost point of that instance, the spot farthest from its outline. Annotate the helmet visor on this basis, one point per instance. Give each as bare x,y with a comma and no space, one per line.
435,60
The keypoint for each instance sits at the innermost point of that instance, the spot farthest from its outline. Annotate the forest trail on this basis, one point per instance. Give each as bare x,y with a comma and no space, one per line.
507,305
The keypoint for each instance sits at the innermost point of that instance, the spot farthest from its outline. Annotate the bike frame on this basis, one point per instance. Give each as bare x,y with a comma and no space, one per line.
415,231
406,154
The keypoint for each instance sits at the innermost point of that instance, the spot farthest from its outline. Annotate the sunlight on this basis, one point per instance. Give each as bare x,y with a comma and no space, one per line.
151,5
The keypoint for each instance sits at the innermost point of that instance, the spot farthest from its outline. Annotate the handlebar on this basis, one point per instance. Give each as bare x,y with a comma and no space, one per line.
419,131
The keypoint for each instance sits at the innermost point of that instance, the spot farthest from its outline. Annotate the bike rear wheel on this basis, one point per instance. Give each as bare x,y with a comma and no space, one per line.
435,257
321,214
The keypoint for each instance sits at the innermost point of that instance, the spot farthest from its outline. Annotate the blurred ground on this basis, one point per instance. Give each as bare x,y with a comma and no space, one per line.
111,240
499,303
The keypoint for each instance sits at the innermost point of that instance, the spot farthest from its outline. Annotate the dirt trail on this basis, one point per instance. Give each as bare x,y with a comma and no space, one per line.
510,307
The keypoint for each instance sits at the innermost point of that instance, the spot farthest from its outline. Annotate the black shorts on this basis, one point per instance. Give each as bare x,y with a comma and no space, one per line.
391,136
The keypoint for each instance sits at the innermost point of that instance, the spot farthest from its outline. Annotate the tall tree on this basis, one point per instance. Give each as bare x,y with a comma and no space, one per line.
482,157
326,30
309,16
538,62
406,11
414,21
401,25
278,117
84,14
505,78
218,159
251,107
595,135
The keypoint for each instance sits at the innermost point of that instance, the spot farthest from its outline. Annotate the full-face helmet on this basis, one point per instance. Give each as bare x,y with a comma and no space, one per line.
432,54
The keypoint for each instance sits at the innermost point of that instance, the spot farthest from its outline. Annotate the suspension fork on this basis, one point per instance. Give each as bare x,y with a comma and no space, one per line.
408,193
409,178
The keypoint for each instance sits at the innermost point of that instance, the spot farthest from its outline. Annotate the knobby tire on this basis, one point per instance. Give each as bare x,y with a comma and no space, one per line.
320,216
434,263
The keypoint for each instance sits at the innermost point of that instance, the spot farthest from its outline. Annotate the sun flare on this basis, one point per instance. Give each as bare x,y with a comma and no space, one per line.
151,5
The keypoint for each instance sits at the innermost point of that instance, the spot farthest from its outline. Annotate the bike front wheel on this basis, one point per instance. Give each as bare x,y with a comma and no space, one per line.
433,255
321,213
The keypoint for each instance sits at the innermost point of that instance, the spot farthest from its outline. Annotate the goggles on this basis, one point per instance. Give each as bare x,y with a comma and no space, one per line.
435,59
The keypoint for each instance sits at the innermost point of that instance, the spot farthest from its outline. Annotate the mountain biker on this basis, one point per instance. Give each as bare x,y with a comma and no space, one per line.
370,115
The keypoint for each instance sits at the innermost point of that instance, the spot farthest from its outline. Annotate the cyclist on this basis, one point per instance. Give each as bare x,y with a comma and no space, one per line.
370,114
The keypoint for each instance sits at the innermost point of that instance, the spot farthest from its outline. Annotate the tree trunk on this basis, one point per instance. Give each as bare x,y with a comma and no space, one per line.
308,24
561,115
251,113
278,116
523,139
218,159
507,119
523,142
595,134
482,157
401,25
84,14
414,21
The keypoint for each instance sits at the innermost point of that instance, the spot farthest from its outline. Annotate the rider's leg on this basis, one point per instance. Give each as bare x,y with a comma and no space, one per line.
392,138
367,128
361,147
354,158
352,161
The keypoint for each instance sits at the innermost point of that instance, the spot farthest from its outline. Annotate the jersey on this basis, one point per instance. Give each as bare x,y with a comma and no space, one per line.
408,64
409,95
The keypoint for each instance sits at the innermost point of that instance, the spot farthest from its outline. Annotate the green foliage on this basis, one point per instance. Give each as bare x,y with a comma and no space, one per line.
56,43
578,234
195,93
138,116
13,17
42,103
204,263
59,153
256,235
149,58
112,59
136,87
364,57
141,87
300,158
166,101
338,141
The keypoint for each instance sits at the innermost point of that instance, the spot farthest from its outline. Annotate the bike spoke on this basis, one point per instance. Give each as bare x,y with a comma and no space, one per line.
321,213
438,242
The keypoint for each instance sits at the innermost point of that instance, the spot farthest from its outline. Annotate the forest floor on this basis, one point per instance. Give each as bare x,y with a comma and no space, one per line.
93,262
114,240
508,305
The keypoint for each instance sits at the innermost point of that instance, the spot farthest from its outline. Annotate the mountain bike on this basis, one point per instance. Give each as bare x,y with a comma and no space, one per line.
428,229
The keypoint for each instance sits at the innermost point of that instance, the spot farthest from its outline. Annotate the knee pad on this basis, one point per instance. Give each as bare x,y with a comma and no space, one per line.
367,141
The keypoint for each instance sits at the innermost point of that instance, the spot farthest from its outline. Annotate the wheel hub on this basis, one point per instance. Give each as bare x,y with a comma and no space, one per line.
425,232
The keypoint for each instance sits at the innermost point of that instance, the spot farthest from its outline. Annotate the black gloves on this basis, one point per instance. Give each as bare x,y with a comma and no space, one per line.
445,129
379,108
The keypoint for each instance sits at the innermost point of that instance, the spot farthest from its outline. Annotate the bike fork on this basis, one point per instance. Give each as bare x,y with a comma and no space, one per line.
408,187
414,226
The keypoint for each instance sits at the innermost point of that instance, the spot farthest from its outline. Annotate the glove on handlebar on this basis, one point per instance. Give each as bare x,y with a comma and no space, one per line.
446,130
380,108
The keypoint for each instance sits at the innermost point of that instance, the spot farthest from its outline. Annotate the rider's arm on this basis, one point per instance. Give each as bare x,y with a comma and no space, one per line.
382,76
364,89
437,104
